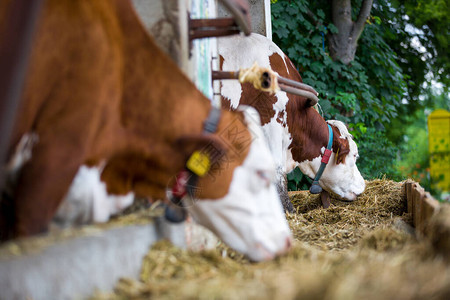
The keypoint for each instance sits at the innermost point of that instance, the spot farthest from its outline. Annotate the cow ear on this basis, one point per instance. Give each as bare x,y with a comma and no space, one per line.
342,150
209,144
340,146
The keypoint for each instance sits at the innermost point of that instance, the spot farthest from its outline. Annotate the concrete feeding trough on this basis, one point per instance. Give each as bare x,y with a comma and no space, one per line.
73,264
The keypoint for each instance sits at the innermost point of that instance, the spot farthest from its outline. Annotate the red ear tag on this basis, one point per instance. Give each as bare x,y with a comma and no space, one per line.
326,156
179,187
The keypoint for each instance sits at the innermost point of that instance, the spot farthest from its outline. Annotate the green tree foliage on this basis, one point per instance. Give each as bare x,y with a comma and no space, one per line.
365,94
413,157
432,19
417,31
387,91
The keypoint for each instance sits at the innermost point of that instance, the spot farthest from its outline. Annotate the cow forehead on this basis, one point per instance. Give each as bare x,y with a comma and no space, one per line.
353,147
345,134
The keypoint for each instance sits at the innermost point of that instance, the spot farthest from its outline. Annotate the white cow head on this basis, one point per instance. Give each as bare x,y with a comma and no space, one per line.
250,217
341,175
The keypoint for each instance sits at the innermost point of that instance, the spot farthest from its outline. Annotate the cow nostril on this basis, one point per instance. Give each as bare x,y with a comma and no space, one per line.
286,248
351,196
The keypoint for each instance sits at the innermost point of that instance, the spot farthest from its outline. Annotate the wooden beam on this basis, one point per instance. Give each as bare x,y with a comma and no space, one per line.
420,204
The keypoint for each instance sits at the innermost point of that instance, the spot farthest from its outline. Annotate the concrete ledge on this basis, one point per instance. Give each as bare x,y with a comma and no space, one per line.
74,268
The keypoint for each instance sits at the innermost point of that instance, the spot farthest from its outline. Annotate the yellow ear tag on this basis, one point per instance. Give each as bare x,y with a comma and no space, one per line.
336,157
199,163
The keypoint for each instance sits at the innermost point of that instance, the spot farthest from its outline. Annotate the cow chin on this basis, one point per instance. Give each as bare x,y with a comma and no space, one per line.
250,218
342,180
249,221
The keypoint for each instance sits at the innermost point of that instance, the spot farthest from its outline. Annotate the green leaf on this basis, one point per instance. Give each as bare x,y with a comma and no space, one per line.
377,20
317,67
332,28
320,14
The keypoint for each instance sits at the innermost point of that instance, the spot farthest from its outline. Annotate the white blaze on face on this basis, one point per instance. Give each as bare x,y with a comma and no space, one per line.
343,179
250,217
87,200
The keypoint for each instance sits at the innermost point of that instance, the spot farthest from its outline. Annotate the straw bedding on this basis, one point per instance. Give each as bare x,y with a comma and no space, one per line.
352,250
363,249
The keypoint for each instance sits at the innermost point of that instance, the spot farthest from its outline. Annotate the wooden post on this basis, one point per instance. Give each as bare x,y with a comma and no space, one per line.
408,188
429,208
420,204
166,22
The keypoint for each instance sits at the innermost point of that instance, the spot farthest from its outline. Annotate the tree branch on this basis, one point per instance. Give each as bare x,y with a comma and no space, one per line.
364,13
312,16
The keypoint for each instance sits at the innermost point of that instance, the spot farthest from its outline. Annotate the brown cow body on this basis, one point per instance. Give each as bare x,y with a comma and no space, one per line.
100,92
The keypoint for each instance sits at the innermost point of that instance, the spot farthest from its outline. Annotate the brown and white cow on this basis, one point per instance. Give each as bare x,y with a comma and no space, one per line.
99,92
296,132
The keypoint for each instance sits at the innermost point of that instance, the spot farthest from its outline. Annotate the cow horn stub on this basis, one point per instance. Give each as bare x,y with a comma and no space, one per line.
312,98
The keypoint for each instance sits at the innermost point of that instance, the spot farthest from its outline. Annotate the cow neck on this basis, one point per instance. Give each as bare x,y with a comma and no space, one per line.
177,108
196,166
315,187
307,128
159,103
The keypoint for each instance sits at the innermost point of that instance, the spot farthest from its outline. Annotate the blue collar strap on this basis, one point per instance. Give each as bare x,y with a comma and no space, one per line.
315,187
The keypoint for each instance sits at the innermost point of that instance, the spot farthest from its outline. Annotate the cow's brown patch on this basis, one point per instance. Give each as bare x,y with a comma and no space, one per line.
98,90
309,133
262,101
308,129
280,118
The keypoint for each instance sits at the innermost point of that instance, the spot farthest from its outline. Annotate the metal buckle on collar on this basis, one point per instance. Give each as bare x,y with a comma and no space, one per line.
315,187
197,166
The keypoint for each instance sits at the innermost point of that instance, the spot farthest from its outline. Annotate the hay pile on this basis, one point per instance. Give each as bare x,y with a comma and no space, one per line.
359,250
343,224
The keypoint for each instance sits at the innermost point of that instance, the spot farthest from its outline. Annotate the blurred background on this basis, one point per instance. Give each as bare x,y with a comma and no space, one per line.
393,92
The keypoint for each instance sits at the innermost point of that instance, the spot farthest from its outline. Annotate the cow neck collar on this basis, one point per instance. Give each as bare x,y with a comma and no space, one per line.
186,180
315,187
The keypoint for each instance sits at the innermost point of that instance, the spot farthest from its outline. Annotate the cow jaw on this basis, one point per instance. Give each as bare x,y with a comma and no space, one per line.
342,179
249,218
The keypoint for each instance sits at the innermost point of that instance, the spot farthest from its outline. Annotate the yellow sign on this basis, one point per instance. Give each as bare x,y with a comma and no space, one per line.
439,148
199,163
